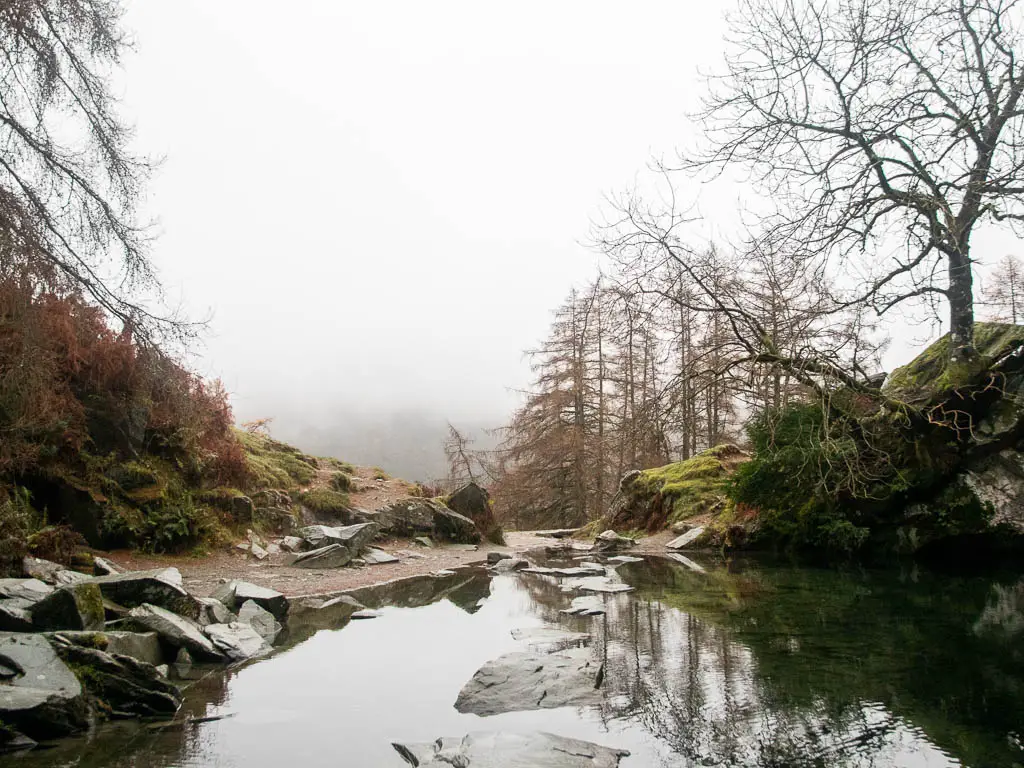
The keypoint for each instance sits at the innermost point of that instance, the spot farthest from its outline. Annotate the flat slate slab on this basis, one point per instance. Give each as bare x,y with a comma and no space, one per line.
377,557
585,605
331,556
179,631
596,584
550,638
496,749
235,594
43,697
524,681
161,587
687,538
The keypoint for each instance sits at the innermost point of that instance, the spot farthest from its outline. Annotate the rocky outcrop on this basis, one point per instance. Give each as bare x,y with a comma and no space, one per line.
161,587
79,606
509,750
525,680
39,695
474,502
413,517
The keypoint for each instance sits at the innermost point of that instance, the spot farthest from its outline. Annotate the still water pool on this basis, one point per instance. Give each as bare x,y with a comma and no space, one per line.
744,663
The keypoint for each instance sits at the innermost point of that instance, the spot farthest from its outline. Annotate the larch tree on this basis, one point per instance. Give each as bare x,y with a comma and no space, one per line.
1005,292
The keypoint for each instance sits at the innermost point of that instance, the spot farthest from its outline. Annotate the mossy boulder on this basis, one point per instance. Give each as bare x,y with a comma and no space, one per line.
76,606
655,499
474,502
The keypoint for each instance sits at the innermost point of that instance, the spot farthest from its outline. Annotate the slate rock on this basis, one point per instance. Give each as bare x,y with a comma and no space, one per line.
331,556
161,587
103,567
354,537
605,584
213,611
32,590
15,615
367,613
77,606
237,641
178,631
234,594
377,557
141,646
690,538
44,570
511,564
585,605
415,517
623,559
44,698
496,749
292,544
610,541
528,680
123,683
548,639
495,557
261,620
66,577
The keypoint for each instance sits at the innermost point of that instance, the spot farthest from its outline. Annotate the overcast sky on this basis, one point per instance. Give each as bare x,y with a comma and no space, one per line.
380,203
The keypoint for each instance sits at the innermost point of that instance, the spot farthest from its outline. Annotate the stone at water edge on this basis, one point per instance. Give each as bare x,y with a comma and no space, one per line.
214,612
45,699
161,587
141,646
237,641
367,613
234,594
596,584
585,605
15,616
78,606
524,681
331,556
179,631
487,749
610,541
493,558
548,639
688,538
557,533
511,564
259,619
44,570
623,559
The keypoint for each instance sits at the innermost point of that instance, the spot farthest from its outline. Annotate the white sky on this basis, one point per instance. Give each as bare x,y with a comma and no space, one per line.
380,203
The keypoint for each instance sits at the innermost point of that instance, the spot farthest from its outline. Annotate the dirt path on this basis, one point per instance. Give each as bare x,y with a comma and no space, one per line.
203,574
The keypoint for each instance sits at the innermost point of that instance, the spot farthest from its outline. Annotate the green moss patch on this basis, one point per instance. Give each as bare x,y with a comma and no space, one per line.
325,501
273,464
693,487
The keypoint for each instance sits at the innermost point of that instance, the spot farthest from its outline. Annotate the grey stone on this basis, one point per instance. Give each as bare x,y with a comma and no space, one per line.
377,557
352,537
237,641
44,570
584,569
123,683
414,517
213,611
163,669
258,552
496,557
511,564
161,587
234,594
597,584
104,567
366,613
292,544
66,577
528,680
558,533
32,590
179,631
15,616
490,749
77,606
44,698
141,646
331,556
610,541
424,541
622,559
585,605
689,538
261,620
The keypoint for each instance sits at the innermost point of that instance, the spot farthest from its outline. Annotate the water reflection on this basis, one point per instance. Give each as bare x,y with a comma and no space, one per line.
741,664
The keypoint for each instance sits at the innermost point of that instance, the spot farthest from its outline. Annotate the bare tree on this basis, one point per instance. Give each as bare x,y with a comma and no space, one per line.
1006,289
68,183
461,459
891,128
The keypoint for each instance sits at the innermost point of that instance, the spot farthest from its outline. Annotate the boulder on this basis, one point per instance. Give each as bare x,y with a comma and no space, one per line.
122,683
331,556
44,570
585,605
65,577
15,615
377,557
413,517
177,631
318,613
292,544
103,567
261,620
424,541
78,606
489,749
237,641
511,564
32,590
353,537
43,698
161,587
527,680
610,541
691,538
474,502
236,593
495,557
141,646
214,612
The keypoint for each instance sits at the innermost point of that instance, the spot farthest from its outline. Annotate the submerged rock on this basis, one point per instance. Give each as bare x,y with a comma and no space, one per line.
77,606
43,698
178,631
527,680
161,587
487,749
550,638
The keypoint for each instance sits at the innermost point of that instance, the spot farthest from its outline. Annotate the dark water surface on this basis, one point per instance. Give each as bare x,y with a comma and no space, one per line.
745,663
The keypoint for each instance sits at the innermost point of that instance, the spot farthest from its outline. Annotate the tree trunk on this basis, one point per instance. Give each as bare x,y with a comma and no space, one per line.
961,309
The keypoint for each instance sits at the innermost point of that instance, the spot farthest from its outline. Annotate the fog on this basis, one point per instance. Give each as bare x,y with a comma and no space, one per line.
377,205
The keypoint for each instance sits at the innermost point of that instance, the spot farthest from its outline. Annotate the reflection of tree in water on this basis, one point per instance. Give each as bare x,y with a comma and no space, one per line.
795,667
